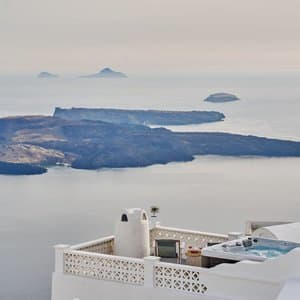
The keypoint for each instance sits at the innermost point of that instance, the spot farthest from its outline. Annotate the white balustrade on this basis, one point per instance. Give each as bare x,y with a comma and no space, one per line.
186,237
104,267
179,277
104,245
86,260
59,257
148,272
94,259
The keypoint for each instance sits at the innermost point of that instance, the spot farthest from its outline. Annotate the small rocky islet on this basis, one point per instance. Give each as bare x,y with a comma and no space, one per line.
46,75
221,98
103,73
106,73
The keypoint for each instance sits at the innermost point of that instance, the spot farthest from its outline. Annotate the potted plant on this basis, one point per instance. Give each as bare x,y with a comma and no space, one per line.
154,211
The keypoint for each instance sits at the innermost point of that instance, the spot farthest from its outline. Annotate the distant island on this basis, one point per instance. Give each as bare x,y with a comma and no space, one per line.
221,97
47,75
29,144
143,117
106,73
8,168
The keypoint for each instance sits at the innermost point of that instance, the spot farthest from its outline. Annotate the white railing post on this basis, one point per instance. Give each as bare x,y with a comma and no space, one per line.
149,262
157,224
234,235
59,257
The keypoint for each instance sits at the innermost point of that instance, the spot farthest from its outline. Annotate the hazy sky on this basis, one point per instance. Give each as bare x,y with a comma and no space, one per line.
149,36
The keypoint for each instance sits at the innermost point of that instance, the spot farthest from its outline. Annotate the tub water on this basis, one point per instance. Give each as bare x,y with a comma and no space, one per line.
267,252
256,249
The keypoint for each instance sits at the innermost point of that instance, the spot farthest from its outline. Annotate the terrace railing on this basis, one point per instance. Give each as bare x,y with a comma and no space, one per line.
104,267
103,245
179,277
95,259
148,271
186,237
151,272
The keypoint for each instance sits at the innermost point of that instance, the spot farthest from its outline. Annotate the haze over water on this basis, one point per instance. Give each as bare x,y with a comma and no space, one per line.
211,193
270,102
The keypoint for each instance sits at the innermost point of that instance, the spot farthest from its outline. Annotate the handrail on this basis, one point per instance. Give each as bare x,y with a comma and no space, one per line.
187,237
219,235
92,243
109,256
103,266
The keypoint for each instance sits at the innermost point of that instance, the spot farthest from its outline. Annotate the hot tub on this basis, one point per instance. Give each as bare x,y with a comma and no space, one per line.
251,248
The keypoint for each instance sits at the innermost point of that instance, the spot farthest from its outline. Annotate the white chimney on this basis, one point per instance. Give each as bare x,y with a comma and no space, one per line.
132,234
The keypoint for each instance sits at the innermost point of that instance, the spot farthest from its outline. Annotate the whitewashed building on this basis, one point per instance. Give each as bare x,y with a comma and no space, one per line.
138,263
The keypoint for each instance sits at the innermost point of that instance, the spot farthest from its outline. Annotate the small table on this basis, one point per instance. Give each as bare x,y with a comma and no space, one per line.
193,257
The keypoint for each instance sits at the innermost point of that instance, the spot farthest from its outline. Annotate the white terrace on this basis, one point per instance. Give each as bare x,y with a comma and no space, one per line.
93,271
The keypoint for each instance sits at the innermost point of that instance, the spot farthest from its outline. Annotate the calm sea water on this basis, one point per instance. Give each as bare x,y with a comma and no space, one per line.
211,193
270,103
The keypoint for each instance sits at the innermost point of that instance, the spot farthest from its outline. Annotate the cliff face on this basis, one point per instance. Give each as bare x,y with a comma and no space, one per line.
43,141
30,154
143,117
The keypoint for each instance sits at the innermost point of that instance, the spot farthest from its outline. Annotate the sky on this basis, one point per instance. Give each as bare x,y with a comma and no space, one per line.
158,36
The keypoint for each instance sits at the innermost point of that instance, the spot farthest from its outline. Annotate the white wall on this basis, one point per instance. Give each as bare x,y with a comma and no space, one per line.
65,287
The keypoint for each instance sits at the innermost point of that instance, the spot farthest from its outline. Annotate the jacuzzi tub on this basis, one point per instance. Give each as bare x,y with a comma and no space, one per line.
252,248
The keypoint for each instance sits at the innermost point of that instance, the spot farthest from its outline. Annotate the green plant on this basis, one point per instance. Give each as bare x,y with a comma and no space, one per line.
154,211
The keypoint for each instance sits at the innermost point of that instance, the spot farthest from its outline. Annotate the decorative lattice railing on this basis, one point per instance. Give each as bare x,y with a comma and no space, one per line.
104,246
186,237
95,260
105,267
179,277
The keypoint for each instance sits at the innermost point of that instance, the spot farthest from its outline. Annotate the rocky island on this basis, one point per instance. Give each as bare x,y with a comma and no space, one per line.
221,97
7,168
29,144
143,117
47,75
106,73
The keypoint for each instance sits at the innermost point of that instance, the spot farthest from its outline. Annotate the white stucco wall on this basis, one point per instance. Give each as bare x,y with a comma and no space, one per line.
290,290
286,232
66,287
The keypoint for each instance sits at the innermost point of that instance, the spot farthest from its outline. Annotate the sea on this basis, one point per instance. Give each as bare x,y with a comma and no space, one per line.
211,193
